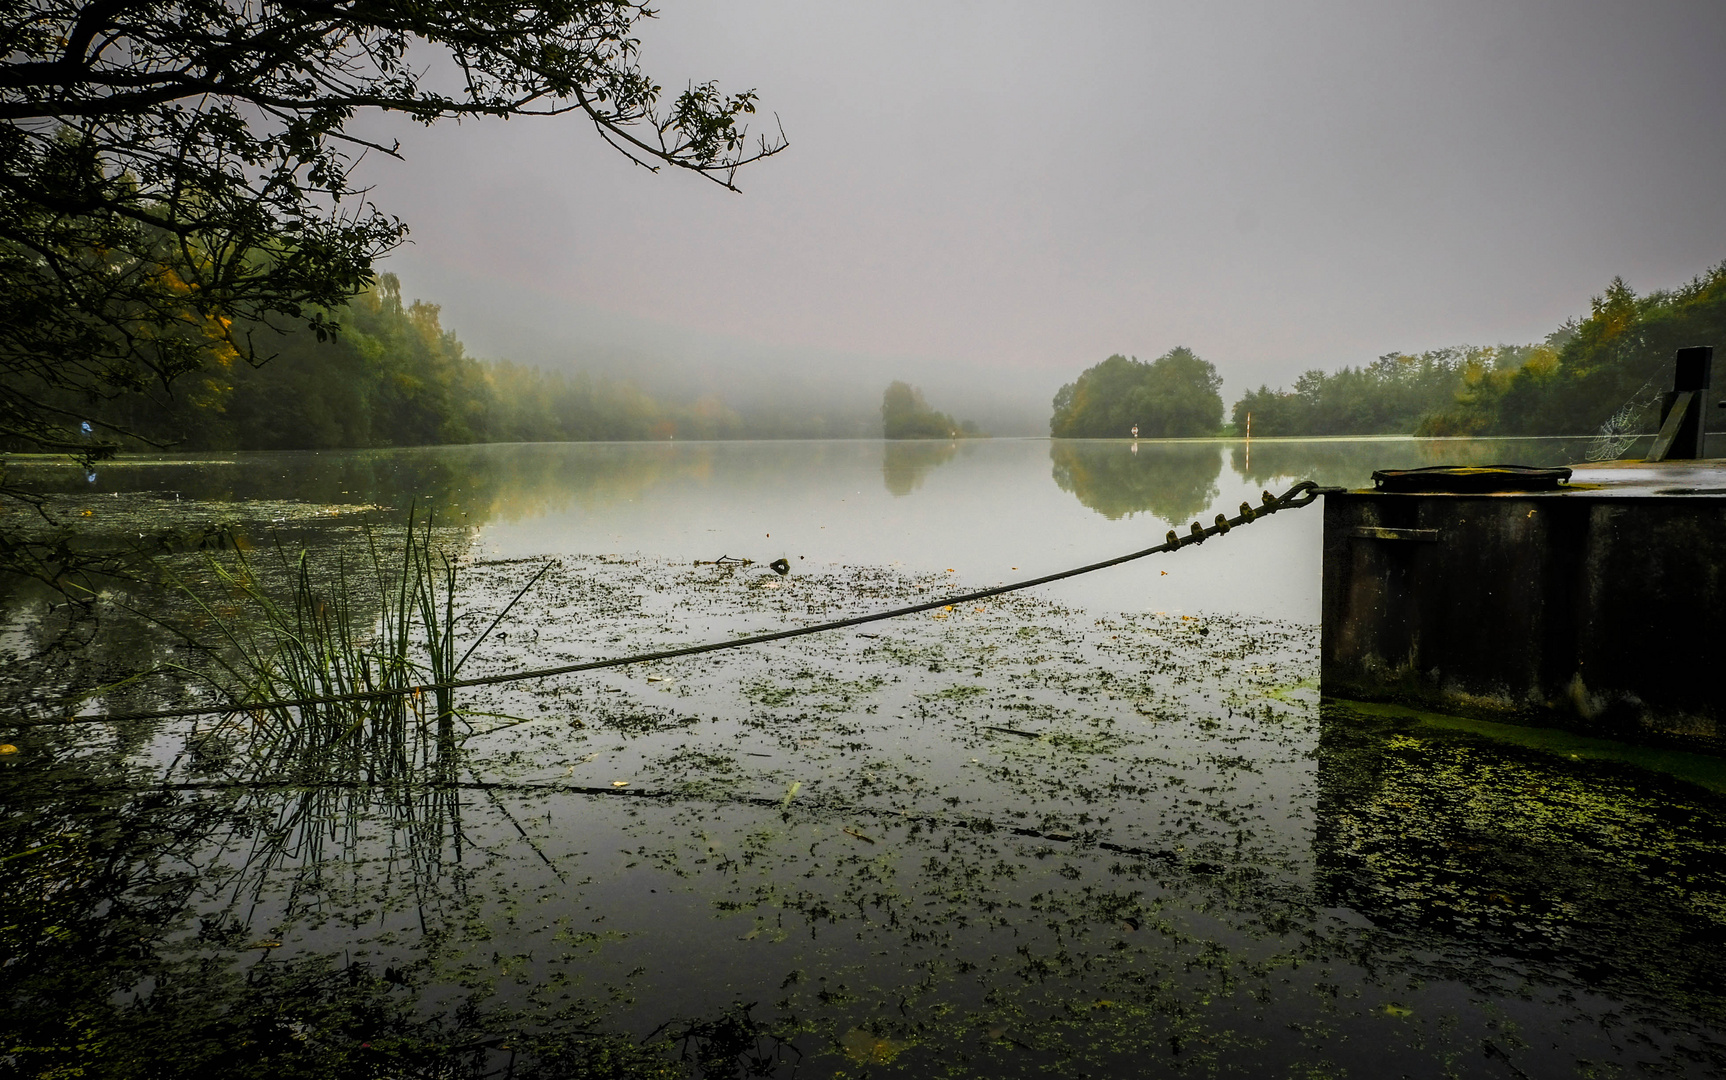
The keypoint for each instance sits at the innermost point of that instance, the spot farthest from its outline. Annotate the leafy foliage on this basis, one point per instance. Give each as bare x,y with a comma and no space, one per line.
1388,396
905,415
396,377
1174,396
1604,372
1600,374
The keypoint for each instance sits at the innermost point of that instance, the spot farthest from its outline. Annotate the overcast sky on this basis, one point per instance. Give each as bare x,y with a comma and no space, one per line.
1031,187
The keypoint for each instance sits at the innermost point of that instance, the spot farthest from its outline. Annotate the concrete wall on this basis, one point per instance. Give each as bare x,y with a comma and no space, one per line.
1598,614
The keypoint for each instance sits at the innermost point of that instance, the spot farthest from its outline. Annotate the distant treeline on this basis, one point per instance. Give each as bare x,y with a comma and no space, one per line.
394,376
1390,396
1604,372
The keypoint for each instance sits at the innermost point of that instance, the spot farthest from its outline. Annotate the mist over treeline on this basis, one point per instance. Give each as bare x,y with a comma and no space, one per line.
394,376
906,415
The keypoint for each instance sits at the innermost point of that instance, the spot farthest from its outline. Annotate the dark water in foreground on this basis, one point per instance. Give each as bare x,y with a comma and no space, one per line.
1104,831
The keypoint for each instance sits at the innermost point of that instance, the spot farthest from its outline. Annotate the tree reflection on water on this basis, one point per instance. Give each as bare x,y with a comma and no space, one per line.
1175,482
905,463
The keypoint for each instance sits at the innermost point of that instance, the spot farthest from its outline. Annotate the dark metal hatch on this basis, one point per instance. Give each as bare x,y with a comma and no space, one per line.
1471,478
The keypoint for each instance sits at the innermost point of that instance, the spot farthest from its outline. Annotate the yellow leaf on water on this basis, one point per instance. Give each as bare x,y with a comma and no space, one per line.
7,748
868,1049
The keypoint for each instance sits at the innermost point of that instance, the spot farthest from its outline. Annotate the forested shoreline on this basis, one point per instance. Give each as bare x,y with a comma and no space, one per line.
1602,373
391,376
394,376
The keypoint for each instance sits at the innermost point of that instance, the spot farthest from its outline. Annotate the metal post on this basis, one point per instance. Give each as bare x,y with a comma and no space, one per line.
1683,415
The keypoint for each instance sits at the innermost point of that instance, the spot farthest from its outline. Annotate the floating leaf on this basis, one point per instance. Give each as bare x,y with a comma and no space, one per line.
868,1049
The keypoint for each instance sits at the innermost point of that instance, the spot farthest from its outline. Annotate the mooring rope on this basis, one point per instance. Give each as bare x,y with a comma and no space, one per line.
1302,494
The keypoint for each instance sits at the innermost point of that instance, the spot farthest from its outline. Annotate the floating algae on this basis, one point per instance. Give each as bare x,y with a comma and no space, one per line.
826,859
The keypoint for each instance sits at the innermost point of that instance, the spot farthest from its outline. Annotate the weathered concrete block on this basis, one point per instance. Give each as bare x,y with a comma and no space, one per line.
1595,607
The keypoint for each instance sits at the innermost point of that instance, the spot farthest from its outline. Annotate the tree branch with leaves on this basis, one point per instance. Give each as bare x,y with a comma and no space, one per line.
177,177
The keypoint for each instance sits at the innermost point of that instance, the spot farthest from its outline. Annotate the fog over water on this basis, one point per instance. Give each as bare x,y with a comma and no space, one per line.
985,199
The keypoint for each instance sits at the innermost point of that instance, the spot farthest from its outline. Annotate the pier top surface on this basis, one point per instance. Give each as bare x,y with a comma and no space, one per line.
1703,478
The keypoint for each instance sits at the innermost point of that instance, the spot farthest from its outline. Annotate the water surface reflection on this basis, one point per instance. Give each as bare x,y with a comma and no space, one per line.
1596,876
1017,841
904,464
1174,481
1066,833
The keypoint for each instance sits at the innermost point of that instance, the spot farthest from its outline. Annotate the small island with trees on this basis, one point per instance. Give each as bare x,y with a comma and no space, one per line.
905,415
1175,396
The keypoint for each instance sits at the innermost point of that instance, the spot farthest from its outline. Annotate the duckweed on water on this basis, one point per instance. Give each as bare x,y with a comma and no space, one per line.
1016,842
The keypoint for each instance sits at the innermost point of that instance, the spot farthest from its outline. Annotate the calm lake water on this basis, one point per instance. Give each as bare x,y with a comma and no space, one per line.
985,509
1102,829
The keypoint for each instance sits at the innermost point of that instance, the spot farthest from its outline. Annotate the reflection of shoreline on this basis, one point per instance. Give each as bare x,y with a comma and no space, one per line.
1350,462
1172,480
476,485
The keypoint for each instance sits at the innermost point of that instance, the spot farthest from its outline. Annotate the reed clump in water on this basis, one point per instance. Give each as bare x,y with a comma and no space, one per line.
385,628
382,768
